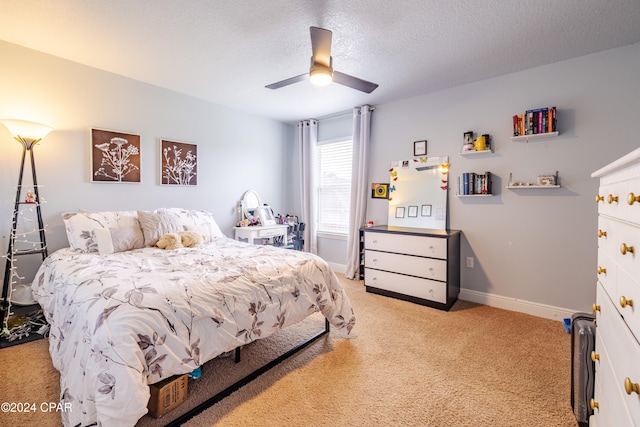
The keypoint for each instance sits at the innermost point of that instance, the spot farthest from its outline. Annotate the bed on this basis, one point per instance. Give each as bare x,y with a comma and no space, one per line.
125,314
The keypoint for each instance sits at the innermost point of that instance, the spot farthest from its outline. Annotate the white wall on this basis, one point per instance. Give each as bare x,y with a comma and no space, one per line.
236,151
534,250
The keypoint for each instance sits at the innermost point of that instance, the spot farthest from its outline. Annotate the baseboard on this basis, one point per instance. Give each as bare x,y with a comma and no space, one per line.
338,268
515,304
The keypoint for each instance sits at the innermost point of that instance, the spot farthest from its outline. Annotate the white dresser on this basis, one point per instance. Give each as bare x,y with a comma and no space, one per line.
250,234
413,264
616,401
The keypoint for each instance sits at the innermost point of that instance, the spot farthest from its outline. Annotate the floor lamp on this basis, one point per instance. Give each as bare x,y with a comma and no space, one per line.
28,134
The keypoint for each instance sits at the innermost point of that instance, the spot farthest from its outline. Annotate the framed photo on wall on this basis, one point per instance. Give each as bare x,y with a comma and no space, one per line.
179,163
400,212
420,148
426,210
115,156
380,191
413,212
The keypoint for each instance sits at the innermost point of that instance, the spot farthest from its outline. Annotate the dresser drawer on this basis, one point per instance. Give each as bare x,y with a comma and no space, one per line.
616,345
627,248
611,410
429,268
406,244
607,234
607,272
407,285
627,301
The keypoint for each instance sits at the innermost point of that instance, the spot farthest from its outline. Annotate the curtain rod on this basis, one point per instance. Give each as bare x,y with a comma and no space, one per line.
340,115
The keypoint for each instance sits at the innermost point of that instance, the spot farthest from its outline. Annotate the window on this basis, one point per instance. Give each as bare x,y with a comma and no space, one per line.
334,186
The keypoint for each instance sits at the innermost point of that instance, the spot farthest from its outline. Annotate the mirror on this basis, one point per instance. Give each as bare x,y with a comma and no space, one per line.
418,193
250,203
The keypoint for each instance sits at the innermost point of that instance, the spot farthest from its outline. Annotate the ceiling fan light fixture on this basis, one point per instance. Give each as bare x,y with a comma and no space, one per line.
320,75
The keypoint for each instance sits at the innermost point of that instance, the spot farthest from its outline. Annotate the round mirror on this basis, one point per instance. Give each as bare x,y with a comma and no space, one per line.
250,202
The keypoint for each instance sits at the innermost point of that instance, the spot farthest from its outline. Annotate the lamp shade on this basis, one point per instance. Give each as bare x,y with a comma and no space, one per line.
25,130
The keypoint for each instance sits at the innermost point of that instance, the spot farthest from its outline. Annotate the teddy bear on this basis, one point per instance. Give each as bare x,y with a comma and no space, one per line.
170,241
191,239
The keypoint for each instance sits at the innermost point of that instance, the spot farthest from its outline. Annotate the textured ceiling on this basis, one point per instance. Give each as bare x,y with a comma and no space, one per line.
226,51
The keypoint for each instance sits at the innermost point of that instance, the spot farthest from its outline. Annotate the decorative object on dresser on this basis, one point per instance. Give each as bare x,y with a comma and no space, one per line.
415,183
616,400
413,264
15,327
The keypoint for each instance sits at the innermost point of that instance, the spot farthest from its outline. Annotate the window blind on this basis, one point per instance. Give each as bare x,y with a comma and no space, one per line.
334,189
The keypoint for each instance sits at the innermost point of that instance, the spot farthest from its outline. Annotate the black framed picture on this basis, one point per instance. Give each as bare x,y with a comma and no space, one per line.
400,212
379,191
413,212
426,210
420,148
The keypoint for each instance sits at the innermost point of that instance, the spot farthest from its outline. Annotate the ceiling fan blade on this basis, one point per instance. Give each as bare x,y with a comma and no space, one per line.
321,46
287,82
353,82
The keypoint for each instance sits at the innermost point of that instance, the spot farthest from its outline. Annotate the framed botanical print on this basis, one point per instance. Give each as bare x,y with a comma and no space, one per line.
115,156
179,163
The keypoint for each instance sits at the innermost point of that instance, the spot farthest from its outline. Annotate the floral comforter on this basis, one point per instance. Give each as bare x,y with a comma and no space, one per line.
122,321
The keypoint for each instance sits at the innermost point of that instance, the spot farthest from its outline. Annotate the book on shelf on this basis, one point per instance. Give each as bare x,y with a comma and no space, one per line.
540,120
474,183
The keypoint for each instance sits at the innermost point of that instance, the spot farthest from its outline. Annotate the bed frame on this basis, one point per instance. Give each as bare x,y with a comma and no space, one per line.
247,379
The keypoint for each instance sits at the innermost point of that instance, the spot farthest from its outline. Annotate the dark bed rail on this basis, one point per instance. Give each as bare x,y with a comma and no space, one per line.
247,379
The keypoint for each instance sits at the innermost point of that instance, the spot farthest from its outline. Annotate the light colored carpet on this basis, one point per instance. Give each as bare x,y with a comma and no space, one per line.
406,365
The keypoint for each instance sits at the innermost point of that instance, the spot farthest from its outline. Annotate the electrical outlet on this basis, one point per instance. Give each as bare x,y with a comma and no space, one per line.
469,262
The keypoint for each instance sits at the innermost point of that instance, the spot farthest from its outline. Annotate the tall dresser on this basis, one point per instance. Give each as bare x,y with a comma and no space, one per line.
413,264
616,399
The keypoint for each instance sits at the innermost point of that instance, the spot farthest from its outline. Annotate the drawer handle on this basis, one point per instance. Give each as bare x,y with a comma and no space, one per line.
594,404
625,302
599,198
595,308
632,198
602,233
594,356
602,270
630,387
612,199
624,249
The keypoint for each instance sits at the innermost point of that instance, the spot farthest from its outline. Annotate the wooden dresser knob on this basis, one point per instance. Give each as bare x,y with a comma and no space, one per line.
612,199
594,356
602,270
624,249
599,198
625,302
632,198
602,233
595,308
630,387
594,404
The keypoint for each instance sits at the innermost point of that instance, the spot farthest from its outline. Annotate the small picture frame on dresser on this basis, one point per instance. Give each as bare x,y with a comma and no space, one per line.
266,215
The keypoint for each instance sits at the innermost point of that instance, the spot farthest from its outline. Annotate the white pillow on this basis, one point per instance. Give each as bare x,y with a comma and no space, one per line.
156,224
79,226
119,239
201,222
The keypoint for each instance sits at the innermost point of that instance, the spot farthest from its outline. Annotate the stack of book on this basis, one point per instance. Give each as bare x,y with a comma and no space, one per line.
541,120
475,183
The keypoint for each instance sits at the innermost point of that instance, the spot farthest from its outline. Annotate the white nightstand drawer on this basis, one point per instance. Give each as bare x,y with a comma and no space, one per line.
414,286
429,268
407,244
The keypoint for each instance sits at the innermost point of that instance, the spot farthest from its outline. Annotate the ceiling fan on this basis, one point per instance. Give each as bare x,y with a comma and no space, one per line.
321,71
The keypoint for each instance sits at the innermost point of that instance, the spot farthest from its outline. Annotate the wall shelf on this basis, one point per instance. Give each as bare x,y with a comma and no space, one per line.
530,186
474,195
526,138
471,153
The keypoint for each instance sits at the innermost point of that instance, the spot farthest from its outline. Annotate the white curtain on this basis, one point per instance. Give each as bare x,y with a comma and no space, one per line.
307,142
359,186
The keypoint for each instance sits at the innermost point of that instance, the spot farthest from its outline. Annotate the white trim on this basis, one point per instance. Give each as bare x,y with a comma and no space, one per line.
334,236
338,268
515,304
